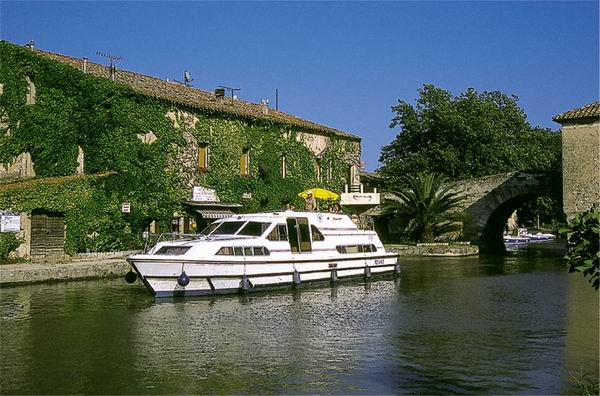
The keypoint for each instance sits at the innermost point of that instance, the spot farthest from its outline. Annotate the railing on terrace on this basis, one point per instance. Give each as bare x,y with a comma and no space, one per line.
359,188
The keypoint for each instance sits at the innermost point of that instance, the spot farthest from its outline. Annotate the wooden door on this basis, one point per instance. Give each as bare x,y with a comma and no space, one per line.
47,235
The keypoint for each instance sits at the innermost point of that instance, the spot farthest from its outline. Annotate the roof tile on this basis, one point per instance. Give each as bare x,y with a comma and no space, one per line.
195,98
588,111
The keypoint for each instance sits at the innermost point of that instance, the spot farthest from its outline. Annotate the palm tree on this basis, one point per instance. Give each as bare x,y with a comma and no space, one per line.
427,205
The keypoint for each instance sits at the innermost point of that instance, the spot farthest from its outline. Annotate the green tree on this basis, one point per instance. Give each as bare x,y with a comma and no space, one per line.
583,246
470,135
427,206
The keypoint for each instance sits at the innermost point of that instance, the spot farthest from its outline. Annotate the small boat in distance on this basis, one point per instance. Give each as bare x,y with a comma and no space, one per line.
262,251
540,237
515,240
524,236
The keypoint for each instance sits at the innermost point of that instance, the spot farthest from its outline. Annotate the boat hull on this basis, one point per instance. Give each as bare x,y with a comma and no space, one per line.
207,278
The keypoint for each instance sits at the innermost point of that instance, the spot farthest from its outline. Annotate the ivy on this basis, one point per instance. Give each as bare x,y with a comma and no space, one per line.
8,244
75,110
583,245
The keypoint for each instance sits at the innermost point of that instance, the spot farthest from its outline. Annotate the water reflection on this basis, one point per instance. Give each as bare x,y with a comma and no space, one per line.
471,325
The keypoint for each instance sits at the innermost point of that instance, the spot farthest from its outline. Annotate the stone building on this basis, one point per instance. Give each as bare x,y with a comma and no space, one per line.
74,126
580,158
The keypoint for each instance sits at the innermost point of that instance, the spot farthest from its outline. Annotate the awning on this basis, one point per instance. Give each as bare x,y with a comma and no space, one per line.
215,214
201,205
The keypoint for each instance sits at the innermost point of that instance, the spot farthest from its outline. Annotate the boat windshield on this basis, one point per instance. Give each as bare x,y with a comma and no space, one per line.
224,228
254,228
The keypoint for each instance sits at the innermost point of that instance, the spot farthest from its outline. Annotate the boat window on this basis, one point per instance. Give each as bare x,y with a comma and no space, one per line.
210,228
261,251
345,249
352,249
243,251
316,234
172,250
228,228
304,234
225,251
279,233
254,228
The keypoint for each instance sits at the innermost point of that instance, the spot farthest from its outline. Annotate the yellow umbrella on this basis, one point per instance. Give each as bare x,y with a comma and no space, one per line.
320,193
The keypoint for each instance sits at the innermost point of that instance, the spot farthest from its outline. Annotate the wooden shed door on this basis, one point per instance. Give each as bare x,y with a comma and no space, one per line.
47,235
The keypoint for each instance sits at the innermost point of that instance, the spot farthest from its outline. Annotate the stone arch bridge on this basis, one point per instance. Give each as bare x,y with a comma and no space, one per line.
490,200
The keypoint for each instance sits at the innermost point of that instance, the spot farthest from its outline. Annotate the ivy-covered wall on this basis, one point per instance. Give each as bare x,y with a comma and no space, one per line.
73,109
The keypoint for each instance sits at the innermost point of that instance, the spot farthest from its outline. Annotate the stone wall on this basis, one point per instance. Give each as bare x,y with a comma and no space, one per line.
21,167
581,166
44,272
437,250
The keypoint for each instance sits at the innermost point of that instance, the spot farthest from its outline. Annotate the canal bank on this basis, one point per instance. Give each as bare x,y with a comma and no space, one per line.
89,268
97,266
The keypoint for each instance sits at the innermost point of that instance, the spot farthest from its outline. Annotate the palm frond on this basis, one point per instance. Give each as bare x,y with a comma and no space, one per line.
427,204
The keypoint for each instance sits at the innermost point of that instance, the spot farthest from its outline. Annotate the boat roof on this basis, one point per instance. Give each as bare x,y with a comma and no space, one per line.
337,220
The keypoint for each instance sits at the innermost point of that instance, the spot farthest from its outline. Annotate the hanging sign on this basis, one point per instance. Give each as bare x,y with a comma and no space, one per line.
204,194
125,207
360,199
247,195
10,222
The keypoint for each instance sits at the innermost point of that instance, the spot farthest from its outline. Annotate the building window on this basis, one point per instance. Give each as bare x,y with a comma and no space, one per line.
245,162
350,175
203,156
318,171
283,166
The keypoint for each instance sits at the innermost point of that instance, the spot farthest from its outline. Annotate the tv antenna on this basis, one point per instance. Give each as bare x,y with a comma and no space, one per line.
231,90
114,59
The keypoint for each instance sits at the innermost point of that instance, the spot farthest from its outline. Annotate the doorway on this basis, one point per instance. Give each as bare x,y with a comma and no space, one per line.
299,234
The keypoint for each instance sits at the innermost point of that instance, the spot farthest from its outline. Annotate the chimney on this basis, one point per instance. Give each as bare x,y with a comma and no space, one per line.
85,60
220,94
113,72
265,106
30,44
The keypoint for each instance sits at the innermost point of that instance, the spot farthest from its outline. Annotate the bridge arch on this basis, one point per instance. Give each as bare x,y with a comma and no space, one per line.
491,200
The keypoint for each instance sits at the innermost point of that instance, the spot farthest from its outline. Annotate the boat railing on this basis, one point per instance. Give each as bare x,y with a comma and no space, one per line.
151,239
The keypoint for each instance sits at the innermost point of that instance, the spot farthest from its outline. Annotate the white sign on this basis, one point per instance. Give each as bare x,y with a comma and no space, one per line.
10,222
360,199
204,194
125,207
247,195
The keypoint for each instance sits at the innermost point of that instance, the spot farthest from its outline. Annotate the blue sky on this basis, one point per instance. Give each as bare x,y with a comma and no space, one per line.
341,64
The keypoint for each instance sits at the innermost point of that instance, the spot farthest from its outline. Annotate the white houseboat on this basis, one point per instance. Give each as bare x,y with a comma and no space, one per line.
265,250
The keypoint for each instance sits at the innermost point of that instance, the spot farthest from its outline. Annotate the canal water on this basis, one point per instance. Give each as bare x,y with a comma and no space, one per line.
504,325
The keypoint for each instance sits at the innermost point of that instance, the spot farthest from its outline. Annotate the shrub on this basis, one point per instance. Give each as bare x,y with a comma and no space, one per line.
583,246
8,243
